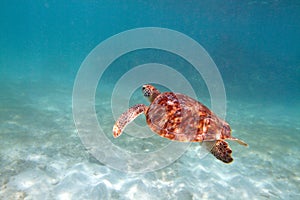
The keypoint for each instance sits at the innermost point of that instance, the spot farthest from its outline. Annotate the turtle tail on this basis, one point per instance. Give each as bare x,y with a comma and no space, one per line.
222,151
241,142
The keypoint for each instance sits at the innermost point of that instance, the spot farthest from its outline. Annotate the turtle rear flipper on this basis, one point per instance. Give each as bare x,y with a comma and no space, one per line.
221,150
128,117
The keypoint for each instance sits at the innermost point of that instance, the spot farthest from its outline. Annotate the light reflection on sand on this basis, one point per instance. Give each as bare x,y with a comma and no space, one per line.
43,158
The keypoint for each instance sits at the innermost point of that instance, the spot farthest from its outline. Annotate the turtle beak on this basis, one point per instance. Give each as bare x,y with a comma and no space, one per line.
146,91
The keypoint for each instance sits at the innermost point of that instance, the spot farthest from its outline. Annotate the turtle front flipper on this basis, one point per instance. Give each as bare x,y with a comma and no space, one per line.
220,149
128,117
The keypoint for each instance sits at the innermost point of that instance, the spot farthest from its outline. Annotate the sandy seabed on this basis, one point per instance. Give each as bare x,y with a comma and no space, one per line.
42,157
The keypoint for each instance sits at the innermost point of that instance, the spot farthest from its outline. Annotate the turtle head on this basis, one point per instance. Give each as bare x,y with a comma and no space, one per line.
150,92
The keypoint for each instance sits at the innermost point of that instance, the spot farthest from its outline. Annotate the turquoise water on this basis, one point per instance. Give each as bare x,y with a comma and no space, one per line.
254,44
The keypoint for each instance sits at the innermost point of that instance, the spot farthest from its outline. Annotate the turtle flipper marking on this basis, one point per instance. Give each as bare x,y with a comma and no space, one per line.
222,151
127,117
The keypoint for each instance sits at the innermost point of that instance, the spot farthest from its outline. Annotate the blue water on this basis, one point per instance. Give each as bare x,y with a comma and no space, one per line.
254,44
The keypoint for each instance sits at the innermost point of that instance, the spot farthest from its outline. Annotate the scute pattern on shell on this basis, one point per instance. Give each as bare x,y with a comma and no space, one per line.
164,115
179,117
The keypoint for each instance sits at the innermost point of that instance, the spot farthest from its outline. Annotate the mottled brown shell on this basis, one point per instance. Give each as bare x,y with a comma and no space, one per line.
179,117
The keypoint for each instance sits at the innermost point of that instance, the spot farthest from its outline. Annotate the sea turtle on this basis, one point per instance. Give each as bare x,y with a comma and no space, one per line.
181,118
